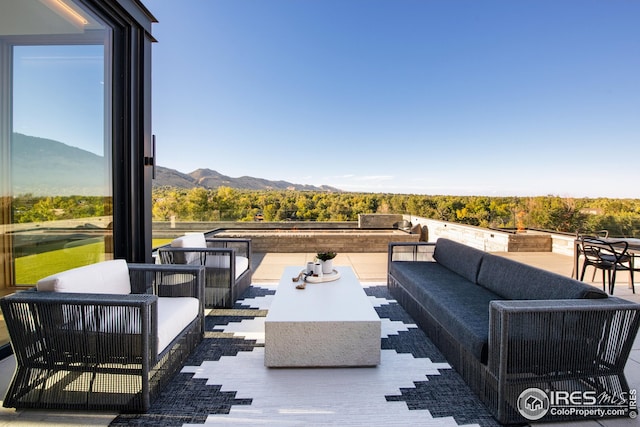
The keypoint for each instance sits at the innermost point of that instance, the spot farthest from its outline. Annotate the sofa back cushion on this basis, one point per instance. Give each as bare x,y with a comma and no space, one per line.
517,281
190,240
107,277
461,259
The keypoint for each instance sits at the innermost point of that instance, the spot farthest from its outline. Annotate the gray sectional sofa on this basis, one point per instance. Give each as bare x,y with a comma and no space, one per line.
507,327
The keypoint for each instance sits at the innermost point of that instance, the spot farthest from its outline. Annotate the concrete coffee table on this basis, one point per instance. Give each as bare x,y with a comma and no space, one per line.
330,324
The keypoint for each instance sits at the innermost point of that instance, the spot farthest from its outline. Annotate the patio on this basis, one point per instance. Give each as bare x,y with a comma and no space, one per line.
371,270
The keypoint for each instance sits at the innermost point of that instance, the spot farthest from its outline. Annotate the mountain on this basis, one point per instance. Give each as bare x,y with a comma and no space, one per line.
44,167
166,177
211,179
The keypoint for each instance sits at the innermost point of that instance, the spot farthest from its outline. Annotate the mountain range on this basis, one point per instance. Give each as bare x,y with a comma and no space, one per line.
211,179
45,167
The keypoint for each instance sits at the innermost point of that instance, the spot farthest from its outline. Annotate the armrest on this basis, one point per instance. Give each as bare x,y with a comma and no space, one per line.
411,251
168,280
543,336
242,246
178,255
55,327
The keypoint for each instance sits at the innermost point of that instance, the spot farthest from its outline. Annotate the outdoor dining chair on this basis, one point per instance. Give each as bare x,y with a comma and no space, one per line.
610,257
600,234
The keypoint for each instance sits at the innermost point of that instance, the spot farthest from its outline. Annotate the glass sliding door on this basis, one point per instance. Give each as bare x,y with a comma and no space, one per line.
55,140
60,163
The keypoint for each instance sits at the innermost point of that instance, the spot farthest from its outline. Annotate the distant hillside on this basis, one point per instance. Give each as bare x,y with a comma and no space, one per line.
72,171
67,170
211,179
172,178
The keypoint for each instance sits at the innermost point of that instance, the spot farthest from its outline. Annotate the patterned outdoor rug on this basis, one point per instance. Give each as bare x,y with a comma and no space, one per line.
224,382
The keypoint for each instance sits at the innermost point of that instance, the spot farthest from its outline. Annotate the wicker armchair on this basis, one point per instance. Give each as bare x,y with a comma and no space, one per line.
99,350
227,265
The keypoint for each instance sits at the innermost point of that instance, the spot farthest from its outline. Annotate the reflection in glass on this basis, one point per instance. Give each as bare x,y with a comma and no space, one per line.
55,141
61,208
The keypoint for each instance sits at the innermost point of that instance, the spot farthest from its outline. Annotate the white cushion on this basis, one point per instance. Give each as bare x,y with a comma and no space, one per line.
107,277
242,264
174,314
191,240
222,261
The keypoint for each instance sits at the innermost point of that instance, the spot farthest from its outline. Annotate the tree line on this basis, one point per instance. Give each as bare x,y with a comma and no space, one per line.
29,208
620,216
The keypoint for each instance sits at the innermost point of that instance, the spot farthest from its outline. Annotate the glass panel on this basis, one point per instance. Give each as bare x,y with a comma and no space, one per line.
60,175
55,141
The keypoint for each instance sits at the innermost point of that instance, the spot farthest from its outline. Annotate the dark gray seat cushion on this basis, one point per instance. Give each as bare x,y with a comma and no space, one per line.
514,280
459,258
461,307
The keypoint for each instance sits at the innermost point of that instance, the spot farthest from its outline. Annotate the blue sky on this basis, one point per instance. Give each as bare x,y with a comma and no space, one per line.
465,97
58,94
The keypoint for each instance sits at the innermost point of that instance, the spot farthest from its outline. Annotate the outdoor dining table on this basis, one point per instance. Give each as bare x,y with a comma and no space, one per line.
633,248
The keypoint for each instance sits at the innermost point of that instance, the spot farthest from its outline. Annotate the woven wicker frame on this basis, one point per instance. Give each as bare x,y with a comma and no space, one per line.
569,345
74,364
222,289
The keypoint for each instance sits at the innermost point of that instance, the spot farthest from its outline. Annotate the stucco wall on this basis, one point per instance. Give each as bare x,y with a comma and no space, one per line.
494,240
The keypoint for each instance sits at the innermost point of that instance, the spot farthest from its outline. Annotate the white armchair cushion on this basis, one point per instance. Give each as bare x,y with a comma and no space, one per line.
174,314
191,240
242,264
222,261
112,277
107,277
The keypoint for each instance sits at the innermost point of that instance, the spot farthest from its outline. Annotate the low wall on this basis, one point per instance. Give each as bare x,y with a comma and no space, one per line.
372,233
170,230
494,240
309,241
562,244
477,237
379,221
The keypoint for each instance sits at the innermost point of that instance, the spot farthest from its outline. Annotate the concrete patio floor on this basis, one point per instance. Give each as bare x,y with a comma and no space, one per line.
369,267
